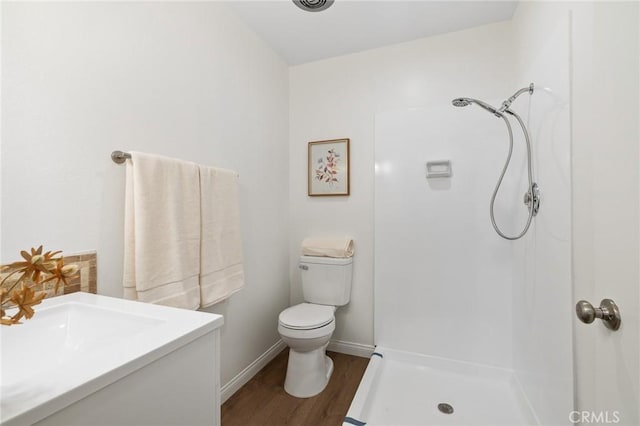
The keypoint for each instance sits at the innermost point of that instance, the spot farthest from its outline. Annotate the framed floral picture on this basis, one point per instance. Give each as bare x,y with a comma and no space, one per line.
328,168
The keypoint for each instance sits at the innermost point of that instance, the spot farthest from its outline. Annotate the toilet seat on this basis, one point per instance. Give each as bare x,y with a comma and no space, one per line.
306,316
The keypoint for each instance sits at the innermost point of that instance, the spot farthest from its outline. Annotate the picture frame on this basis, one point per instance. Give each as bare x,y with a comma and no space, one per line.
328,168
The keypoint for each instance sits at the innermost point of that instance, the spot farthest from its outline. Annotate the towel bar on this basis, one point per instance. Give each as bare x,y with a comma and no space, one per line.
120,157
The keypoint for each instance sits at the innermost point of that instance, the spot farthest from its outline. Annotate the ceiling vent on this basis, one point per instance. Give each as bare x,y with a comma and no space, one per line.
313,5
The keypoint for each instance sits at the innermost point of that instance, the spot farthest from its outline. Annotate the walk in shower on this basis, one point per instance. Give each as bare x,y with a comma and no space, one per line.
460,339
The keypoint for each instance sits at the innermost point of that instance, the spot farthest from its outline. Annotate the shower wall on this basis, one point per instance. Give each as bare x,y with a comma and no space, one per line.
543,347
443,278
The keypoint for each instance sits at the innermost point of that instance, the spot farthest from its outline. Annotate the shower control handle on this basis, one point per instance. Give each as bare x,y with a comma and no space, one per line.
608,312
532,198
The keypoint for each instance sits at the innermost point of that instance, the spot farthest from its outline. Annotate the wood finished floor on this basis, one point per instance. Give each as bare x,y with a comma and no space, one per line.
263,401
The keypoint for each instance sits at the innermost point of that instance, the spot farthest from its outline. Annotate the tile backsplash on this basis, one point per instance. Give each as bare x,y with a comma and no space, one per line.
85,280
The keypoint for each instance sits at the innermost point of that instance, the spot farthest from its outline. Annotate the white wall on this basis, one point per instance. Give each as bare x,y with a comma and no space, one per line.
186,80
542,291
340,97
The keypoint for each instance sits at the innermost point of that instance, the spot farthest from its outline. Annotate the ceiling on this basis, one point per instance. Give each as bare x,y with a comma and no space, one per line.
355,25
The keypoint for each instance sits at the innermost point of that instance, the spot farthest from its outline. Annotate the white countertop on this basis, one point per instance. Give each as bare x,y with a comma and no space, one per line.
79,343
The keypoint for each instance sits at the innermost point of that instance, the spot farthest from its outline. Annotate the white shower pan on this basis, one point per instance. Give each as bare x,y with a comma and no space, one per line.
405,389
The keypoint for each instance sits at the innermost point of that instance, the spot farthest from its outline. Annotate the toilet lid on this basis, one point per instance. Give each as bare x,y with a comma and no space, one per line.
306,316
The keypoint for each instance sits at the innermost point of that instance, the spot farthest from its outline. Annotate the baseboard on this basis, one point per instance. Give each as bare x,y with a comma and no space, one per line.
245,375
351,348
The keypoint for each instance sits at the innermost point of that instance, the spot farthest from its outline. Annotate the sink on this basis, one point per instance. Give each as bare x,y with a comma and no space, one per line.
63,333
79,343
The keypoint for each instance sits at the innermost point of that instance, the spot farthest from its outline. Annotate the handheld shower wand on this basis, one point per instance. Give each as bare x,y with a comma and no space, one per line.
463,102
532,196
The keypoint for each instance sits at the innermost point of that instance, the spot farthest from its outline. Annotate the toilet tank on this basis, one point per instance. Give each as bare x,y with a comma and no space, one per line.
326,280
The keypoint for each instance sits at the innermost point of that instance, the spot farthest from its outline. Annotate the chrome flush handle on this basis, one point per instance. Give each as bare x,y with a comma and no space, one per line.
608,312
303,267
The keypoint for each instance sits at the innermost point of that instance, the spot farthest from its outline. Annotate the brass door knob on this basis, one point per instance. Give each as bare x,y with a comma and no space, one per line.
608,312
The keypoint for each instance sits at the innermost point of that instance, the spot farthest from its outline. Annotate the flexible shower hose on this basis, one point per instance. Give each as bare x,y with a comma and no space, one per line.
504,170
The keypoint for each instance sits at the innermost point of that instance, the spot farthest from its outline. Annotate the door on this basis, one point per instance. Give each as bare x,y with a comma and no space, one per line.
606,216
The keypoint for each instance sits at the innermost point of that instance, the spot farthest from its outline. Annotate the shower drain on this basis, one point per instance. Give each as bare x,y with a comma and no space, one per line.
445,408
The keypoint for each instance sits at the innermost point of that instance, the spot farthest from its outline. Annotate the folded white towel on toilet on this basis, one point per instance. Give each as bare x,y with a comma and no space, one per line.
328,247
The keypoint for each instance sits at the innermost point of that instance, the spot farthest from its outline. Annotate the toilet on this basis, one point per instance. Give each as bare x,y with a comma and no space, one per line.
307,327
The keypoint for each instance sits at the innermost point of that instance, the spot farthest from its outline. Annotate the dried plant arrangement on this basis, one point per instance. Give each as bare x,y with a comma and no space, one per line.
23,288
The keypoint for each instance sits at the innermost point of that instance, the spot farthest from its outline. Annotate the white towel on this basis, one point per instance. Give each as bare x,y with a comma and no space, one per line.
221,271
327,247
162,231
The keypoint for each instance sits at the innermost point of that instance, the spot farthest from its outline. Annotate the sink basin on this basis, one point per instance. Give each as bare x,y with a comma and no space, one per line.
61,335
79,343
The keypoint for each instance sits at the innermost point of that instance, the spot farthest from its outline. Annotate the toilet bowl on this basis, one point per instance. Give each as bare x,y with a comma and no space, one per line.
307,328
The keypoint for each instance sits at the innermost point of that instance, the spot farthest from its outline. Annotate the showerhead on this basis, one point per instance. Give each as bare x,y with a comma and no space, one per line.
313,5
463,102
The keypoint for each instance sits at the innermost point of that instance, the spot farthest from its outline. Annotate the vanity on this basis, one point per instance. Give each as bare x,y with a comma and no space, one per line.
86,359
